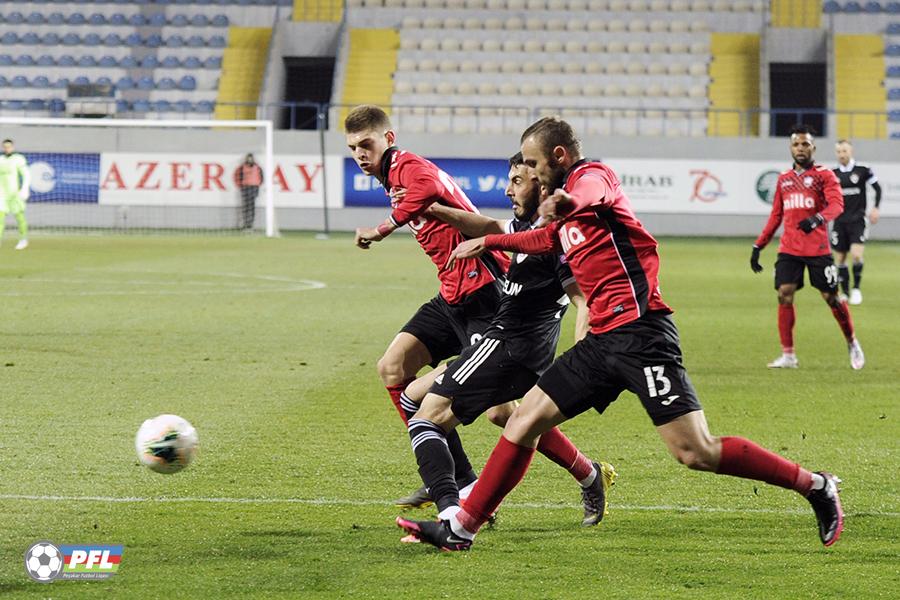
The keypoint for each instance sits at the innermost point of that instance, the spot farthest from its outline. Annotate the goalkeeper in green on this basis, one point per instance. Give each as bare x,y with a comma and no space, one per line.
15,181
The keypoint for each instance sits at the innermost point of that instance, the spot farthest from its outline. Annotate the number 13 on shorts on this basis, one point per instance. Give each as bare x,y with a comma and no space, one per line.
658,384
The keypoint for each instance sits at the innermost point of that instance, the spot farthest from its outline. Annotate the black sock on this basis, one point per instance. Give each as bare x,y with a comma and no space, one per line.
429,443
464,472
844,278
409,407
857,273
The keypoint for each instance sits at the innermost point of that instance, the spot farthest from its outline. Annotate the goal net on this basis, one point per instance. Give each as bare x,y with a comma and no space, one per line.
147,175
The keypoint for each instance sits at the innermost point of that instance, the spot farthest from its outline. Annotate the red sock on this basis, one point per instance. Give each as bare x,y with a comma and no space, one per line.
786,319
841,313
395,391
743,458
557,447
504,470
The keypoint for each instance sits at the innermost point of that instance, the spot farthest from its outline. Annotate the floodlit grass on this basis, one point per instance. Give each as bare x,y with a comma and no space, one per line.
301,450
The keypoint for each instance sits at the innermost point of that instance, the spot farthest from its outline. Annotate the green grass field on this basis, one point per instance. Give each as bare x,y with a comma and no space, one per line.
301,450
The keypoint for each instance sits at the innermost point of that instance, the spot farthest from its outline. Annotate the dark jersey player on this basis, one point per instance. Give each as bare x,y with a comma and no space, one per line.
850,229
633,345
469,292
518,345
807,196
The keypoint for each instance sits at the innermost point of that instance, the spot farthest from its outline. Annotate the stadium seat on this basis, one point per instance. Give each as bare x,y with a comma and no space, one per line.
166,83
873,7
30,39
97,19
14,104
87,61
894,94
174,41
199,20
128,62
103,80
56,19
155,40
125,83
170,62
195,41
122,106
9,39
892,8
220,21
217,41
891,50
66,60
191,62
76,19
149,62
894,116
35,104
161,106
35,18
831,7
19,81
61,83
205,106
213,62
140,106
112,39
56,105
145,83
893,71
183,106
15,18
893,29
118,19
852,7
108,61
25,60
157,20
179,20
45,60
40,82
138,20
71,39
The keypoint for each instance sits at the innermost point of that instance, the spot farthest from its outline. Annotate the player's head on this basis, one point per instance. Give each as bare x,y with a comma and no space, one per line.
369,134
550,147
844,151
524,189
8,146
803,144
249,159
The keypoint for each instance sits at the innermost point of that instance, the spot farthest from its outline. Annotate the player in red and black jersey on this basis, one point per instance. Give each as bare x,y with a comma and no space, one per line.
850,230
807,196
633,345
469,292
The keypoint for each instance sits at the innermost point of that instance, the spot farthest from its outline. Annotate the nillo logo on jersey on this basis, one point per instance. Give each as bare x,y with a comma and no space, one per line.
797,200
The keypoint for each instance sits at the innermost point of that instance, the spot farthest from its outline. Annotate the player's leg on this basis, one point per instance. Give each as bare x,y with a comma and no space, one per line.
787,317
399,364
428,430
23,229
2,222
856,254
841,245
823,276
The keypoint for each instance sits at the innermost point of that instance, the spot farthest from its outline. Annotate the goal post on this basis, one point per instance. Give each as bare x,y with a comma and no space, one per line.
145,174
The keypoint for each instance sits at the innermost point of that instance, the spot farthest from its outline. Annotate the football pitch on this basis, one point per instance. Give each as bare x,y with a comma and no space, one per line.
269,348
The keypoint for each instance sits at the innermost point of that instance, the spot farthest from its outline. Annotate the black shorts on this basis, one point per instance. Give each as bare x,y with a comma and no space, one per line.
643,357
844,233
823,274
446,328
483,376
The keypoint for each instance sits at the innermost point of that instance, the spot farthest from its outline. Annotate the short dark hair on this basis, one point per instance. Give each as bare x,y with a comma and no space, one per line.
7,141
803,128
516,159
365,117
550,132
843,141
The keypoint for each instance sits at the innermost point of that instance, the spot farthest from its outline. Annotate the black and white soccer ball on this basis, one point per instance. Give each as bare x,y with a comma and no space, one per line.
43,561
166,444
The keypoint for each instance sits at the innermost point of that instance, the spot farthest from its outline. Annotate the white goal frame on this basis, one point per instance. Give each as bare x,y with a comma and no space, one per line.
269,165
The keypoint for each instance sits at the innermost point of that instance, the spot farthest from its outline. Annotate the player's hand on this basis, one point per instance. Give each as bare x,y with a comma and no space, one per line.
874,215
556,206
754,260
24,195
397,194
365,236
810,223
467,249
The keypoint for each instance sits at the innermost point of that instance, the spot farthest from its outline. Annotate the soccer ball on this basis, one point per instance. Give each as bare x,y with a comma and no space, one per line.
166,444
43,561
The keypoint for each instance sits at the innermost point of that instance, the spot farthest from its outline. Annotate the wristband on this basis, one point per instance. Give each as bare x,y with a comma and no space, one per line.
384,230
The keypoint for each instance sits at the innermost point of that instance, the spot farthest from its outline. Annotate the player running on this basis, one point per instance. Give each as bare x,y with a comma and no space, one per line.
633,345
850,229
517,347
807,196
469,292
15,185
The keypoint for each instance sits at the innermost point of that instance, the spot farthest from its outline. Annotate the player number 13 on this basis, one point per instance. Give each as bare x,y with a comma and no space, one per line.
657,383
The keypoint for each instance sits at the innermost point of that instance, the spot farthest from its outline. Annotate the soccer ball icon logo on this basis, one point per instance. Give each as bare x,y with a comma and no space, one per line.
43,561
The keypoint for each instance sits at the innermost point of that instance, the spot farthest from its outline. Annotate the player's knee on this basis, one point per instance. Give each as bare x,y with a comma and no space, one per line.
699,455
390,369
499,415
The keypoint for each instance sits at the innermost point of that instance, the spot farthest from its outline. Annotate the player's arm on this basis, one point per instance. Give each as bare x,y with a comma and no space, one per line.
535,241
419,194
875,213
775,218
834,204
25,175
469,223
582,312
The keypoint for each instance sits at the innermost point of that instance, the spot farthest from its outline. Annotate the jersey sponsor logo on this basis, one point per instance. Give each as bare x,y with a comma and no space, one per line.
798,200
786,183
850,191
511,288
570,236
472,274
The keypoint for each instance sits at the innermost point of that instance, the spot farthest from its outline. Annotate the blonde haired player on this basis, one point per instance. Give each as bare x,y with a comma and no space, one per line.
15,183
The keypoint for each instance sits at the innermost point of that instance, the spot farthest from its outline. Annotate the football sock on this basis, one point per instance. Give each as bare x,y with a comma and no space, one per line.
786,319
504,470
818,482
23,228
857,273
841,314
395,392
2,223
436,468
743,458
463,470
844,278
557,447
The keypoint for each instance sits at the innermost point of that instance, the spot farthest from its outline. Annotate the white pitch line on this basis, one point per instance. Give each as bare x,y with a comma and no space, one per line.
388,503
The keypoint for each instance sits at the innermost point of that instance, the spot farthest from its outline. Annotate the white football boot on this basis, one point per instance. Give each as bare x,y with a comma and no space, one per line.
785,361
855,296
857,358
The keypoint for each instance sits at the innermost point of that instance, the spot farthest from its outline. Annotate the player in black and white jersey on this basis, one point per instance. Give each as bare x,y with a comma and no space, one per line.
517,347
850,229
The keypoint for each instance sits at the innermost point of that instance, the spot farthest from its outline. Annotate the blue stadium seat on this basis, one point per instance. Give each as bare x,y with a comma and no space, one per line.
895,135
91,39
56,105
153,41
6,60
195,41
893,71
61,83
56,19
200,20
30,39
213,62
166,83
3,81
25,60
133,40
217,41
14,104
112,39
81,80
36,104
35,18
170,62
892,50
138,20
66,60
125,83
19,81
87,61
220,21
71,39
161,105
108,61
76,19
40,82
129,62
183,106
51,39
205,106
179,21
187,83
175,41
9,38
140,106
103,81
894,116
149,62
122,106
206,2
893,29
873,7
192,62
15,18
892,8
45,60
894,94
97,19
145,83
157,20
